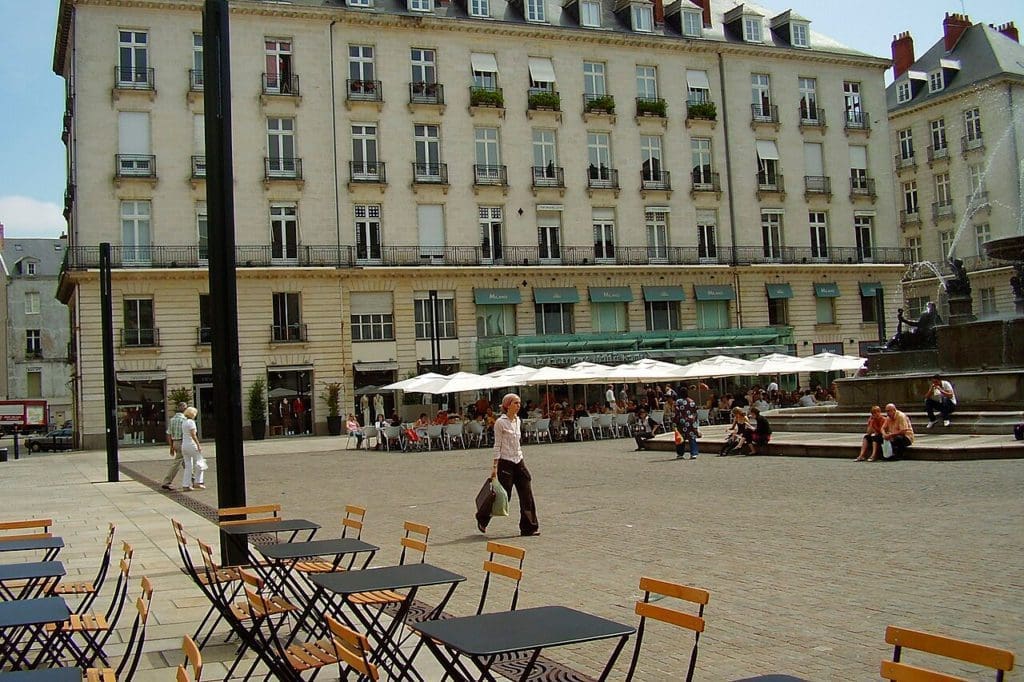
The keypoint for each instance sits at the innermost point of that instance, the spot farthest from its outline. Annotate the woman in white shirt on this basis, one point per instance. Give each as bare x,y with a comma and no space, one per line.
191,452
510,469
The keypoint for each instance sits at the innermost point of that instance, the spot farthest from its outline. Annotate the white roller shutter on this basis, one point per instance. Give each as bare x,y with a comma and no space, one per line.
430,221
541,70
483,62
698,80
814,164
859,157
370,302
199,134
767,150
133,132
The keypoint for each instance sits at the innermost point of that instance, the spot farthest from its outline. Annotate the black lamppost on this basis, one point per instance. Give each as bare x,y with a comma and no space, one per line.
435,342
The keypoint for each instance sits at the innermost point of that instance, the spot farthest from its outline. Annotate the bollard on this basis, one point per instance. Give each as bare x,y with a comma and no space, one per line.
16,448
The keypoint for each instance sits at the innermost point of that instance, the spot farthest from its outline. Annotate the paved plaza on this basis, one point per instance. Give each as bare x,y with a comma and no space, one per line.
806,560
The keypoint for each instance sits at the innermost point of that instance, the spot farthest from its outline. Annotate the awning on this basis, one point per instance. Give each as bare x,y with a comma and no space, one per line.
697,80
142,376
611,294
556,295
664,294
541,70
375,366
483,62
779,290
496,296
766,149
714,292
869,288
826,290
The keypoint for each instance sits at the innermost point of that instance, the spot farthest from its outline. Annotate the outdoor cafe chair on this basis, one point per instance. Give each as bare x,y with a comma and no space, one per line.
604,425
33,529
658,417
393,436
474,433
670,614
529,430
453,432
583,425
703,416
620,425
542,430
90,589
435,436
370,433
129,663
353,652
415,540
193,658
1000,660
353,520
252,611
212,582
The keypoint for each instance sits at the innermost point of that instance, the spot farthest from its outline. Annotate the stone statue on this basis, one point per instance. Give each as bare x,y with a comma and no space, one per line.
1017,281
921,333
958,285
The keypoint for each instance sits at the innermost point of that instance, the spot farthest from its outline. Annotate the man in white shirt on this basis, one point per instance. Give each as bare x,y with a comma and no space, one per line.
939,395
807,399
609,397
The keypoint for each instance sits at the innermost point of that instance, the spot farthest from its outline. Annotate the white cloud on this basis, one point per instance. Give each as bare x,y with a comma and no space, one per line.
27,217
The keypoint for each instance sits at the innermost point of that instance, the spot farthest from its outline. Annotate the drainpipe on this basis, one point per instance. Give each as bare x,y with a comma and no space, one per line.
729,190
334,137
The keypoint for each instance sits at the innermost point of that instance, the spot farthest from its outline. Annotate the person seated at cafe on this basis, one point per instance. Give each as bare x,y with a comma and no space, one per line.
423,421
353,427
645,427
441,417
760,403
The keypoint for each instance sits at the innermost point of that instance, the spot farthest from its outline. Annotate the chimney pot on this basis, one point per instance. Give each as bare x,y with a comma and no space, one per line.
1009,30
953,27
902,53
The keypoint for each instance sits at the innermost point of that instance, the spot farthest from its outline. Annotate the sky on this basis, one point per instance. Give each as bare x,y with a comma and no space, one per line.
32,173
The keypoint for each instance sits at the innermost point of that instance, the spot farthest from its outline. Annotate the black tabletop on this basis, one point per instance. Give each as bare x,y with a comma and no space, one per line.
294,550
522,630
33,612
282,526
386,578
772,678
44,675
26,545
29,570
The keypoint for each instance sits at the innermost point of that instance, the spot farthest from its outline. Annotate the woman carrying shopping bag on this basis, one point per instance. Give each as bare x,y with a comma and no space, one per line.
510,469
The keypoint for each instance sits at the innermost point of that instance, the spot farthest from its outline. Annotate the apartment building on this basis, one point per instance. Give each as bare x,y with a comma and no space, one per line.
956,117
468,185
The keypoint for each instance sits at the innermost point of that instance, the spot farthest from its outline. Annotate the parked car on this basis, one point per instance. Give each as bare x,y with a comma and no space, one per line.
60,439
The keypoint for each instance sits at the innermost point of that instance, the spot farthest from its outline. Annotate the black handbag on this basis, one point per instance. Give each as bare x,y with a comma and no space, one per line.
485,498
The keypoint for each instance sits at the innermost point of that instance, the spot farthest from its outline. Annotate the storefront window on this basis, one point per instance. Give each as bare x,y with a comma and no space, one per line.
290,402
141,417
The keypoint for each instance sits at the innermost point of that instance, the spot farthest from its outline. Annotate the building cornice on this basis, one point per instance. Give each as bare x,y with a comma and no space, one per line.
992,83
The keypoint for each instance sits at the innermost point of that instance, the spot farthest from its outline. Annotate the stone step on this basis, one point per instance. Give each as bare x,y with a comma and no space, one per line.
963,423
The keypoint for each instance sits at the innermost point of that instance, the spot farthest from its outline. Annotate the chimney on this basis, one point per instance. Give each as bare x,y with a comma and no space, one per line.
659,12
1008,30
902,54
705,5
953,26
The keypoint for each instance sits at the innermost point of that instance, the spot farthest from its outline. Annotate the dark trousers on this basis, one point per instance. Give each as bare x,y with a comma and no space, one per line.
517,475
899,445
945,406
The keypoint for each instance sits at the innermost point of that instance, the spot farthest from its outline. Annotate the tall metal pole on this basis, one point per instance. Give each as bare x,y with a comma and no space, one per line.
227,379
880,313
109,377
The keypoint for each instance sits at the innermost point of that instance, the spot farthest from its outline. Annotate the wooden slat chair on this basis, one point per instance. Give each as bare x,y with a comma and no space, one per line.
193,658
89,590
353,652
33,529
352,521
259,513
254,610
1000,660
125,670
667,614
215,584
415,540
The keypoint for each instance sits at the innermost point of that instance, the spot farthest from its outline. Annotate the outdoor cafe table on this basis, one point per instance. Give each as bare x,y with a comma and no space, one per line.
485,637
409,577
28,616
44,675
239,533
51,546
34,575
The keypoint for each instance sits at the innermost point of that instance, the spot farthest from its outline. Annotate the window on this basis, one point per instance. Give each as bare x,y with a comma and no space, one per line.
656,223
590,13
761,95
368,234
643,18
697,87
279,65
935,81
661,316
752,29
139,328
868,309
421,5
767,165
133,144
593,78
707,235
133,59
712,314
480,8
982,234
859,169
818,221
647,82
825,310
485,71
491,228
284,232
495,320
205,320
488,156
700,157
852,104
863,226
33,342
281,147
906,138
31,266
360,3
693,24
603,221
651,161
771,235
937,128
542,75
365,156
31,302
360,64
599,155
445,315
372,316
545,158
549,226
808,99
910,204
33,383
913,246
135,232
778,311
427,143
799,35
987,296
608,317
197,61
554,318
202,231
424,65
943,193
976,176
945,245
287,317
903,92
972,126
535,10
430,231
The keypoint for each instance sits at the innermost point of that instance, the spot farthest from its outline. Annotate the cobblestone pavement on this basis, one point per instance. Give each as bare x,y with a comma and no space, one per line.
807,560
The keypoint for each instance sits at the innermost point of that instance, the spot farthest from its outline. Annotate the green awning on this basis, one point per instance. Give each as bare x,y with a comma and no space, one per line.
611,294
496,296
714,292
779,290
556,295
869,288
826,290
664,294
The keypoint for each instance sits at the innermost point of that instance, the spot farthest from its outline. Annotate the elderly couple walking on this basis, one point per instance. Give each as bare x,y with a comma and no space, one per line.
183,439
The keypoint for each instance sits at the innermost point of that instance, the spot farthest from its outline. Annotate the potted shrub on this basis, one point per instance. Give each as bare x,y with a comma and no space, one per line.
180,394
604,104
704,110
331,395
256,410
651,107
486,97
549,101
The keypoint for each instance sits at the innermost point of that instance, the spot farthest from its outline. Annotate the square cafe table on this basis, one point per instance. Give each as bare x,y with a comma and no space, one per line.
409,577
485,637
44,675
28,616
238,533
35,574
51,546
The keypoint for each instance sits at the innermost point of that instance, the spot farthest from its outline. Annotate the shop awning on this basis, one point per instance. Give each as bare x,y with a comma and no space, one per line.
826,290
766,149
697,80
664,294
376,366
556,295
611,294
779,290
869,288
496,296
541,70
483,62
713,292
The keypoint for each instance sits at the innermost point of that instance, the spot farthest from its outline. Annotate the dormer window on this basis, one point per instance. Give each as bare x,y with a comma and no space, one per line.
479,8
903,92
643,18
799,35
421,5
535,10
30,268
360,3
590,13
752,29
693,24
936,82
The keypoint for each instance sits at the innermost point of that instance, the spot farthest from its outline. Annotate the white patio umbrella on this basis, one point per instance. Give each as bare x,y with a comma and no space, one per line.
551,375
716,366
590,372
647,369
830,362
462,381
779,363
409,385
516,371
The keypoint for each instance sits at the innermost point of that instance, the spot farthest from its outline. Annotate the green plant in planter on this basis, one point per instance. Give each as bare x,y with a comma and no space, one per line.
180,394
705,110
256,409
483,97
651,107
602,103
331,396
545,100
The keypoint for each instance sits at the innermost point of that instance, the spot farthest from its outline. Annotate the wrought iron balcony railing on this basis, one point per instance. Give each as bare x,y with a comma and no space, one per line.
364,91
541,99
548,176
426,93
937,153
857,120
705,182
490,175
942,210
910,217
602,177
818,184
430,173
812,116
864,187
281,84
764,113
365,171
135,166
281,168
971,142
195,80
198,167
770,182
598,104
288,333
655,179
130,78
139,338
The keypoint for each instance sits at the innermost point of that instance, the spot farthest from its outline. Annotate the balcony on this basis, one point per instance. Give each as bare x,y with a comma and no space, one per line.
910,217
428,174
195,80
65,133
363,91
69,200
489,176
280,168
812,117
861,187
599,106
288,333
702,182
942,211
978,201
485,99
856,121
937,154
34,354
817,186
651,107
548,177
972,143
140,338
764,114
541,102
905,162
601,178
701,111
280,85
134,167
771,184
204,336
367,173
655,181
128,79
199,167
428,94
